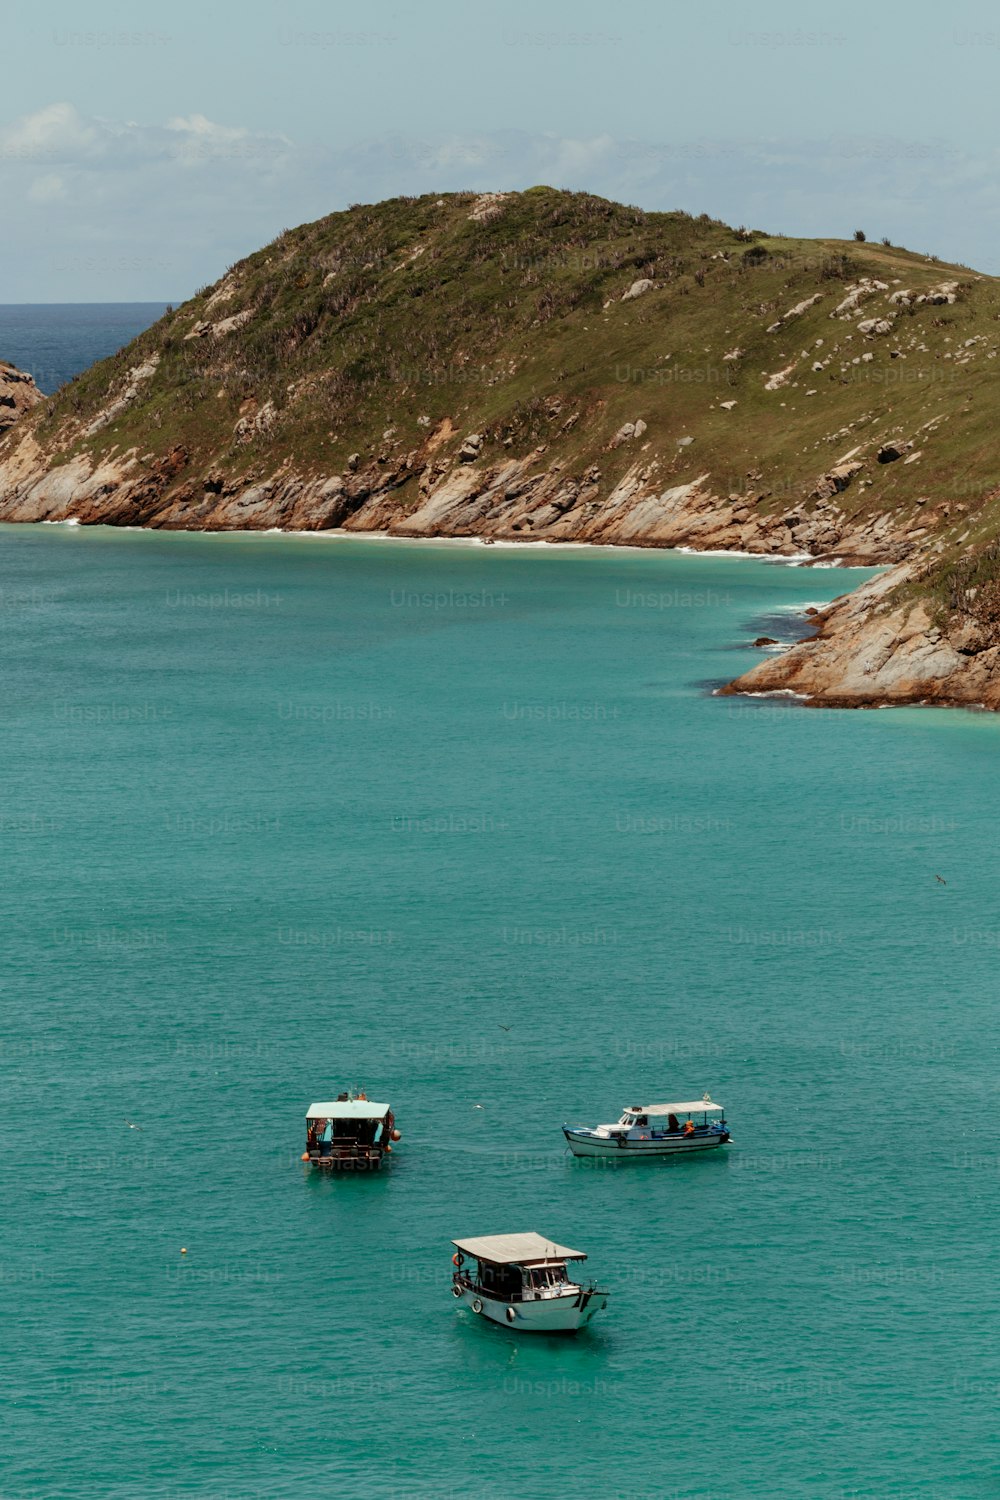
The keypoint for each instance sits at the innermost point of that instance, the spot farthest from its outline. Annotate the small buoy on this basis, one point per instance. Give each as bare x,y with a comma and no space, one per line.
304,1156
183,1250
396,1136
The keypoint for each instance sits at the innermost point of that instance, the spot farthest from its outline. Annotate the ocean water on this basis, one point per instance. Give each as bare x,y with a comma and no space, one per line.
53,341
282,814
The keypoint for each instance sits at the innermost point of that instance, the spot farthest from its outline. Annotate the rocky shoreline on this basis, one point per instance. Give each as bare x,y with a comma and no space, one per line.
862,655
871,653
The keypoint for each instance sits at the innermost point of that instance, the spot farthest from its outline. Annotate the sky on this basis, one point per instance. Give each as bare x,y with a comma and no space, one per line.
144,148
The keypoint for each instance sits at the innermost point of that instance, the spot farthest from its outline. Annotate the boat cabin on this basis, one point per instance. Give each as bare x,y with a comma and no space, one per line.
349,1132
661,1121
514,1267
524,1282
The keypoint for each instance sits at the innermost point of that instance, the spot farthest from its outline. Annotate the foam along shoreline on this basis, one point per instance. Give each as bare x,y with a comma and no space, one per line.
534,544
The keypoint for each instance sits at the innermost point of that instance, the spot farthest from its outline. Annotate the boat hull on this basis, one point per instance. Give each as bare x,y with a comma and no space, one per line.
586,1143
347,1163
564,1314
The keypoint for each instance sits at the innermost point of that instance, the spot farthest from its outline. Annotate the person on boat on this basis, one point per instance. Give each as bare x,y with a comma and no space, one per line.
672,1124
689,1127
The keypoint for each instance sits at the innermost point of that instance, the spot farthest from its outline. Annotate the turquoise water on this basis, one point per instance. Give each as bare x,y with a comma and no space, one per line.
284,814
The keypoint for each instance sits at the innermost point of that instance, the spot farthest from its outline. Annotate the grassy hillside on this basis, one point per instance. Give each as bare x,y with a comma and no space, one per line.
403,327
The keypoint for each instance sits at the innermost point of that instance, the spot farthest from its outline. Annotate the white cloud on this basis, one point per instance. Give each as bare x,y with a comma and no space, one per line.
56,133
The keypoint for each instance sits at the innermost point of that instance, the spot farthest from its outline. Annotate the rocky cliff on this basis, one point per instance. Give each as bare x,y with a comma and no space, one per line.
551,365
18,395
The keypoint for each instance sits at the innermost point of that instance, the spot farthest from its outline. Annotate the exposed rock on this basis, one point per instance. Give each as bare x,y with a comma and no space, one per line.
469,451
765,640
229,325
256,422
866,287
875,326
638,289
134,381
870,653
488,206
796,311
944,293
780,378
18,394
889,452
204,330
836,479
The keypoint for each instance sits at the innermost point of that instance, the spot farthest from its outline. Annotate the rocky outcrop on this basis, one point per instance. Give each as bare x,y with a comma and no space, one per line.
872,651
638,289
18,394
123,397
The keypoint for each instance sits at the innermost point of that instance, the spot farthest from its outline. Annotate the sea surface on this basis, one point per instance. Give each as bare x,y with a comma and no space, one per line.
284,814
53,341
466,825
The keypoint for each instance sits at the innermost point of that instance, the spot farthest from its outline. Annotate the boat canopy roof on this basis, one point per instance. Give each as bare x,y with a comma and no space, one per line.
517,1249
690,1108
347,1109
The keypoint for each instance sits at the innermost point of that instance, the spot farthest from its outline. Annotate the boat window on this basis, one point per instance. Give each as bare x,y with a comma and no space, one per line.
546,1276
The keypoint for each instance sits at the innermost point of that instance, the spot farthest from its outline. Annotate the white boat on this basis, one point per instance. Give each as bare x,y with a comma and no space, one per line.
653,1130
522,1281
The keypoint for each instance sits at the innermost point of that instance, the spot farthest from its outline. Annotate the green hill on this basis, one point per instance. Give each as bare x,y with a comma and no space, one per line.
551,364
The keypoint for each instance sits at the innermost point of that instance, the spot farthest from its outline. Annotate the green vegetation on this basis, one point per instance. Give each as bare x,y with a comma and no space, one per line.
366,331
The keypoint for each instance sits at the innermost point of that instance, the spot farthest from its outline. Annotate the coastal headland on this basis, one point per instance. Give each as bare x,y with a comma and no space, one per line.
551,366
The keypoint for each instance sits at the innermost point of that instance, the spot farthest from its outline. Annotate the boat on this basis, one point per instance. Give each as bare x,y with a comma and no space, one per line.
654,1130
522,1281
352,1133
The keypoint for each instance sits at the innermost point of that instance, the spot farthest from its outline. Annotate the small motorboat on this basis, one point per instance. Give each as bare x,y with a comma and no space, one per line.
647,1130
351,1134
522,1280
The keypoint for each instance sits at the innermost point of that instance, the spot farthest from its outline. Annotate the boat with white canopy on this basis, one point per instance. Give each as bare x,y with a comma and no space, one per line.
647,1130
523,1281
350,1133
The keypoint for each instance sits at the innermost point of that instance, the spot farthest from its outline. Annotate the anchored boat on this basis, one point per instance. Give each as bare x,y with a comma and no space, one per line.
522,1280
654,1130
351,1133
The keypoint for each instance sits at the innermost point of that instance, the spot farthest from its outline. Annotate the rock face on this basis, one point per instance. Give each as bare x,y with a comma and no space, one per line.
18,394
872,651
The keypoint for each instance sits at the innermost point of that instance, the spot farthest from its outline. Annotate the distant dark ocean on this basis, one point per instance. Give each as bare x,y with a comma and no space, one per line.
56,340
